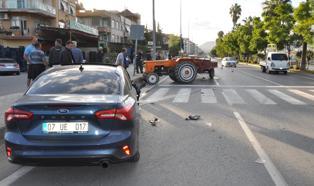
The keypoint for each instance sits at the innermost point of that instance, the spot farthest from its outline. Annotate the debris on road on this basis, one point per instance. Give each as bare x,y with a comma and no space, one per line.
193,117
154,122
260,161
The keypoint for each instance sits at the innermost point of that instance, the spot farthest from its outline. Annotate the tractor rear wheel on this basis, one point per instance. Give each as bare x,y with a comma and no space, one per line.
185,72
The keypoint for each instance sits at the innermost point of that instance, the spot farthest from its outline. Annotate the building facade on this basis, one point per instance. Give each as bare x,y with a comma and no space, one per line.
22,19
113,26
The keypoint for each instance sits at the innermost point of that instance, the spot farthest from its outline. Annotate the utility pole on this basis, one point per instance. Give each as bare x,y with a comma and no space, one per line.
154,33
181,39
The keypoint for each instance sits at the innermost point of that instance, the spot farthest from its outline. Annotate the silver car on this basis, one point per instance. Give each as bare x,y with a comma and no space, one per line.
229,62
8,65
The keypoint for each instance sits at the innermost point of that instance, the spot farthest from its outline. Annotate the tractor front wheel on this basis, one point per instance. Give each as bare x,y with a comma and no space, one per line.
185,72
152,78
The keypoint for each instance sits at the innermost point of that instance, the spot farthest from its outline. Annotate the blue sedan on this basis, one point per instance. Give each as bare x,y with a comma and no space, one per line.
75,115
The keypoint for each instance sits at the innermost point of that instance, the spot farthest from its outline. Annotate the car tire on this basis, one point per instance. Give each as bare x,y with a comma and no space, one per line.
263,69
17,73
152,78
285,72
188,69
135,158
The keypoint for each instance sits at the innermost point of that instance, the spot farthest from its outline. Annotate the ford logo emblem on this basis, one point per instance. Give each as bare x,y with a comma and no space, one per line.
63,111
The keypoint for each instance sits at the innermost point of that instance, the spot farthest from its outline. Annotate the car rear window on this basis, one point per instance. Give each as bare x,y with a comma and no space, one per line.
6,61
279,57
91,81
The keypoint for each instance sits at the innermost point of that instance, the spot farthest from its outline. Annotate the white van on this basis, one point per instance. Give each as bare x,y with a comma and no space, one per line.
275,62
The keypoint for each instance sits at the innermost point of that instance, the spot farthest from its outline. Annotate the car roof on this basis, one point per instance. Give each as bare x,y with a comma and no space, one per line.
99,67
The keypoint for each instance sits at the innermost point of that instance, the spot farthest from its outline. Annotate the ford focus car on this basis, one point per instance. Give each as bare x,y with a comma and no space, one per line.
75,115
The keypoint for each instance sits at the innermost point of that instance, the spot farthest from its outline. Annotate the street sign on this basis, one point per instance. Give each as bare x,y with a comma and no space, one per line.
137,32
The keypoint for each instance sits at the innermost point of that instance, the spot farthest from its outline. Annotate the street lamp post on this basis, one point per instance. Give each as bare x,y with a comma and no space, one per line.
154,33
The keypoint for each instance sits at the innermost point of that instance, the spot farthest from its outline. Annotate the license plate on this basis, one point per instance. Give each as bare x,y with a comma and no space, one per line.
65,127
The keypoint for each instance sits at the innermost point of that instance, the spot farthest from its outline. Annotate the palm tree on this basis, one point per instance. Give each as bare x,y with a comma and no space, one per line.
235,13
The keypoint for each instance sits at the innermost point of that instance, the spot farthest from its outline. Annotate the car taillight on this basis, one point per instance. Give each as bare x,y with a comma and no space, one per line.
17,65
125,113
16,114
2,65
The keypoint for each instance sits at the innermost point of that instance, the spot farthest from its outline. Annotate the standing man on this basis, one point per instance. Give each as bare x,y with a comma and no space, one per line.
121,58
66,56
55,53
27,51
77,54
139,62
37,63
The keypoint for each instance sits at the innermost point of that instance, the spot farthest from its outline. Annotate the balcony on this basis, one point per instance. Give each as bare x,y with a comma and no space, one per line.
27,6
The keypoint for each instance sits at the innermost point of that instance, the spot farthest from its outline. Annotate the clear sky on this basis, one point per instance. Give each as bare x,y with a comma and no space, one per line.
201,19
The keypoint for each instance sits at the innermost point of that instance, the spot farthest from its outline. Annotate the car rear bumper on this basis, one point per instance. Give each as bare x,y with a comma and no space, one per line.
9,70
46,154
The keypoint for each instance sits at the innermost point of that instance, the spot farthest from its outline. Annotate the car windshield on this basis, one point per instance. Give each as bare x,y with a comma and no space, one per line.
6,61
230,59
91,81
279,57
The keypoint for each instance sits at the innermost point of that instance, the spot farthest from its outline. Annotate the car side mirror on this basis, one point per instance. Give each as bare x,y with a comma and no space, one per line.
268,58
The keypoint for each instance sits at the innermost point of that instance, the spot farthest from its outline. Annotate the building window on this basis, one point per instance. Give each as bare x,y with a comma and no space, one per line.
15,22
112,24
20,4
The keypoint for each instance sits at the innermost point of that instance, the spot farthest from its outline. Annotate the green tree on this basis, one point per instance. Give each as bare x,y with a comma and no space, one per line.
304,21
235,13
243,33
174,45
258,41
278,21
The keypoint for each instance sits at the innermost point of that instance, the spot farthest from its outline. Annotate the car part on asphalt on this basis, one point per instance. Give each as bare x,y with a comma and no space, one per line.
193,117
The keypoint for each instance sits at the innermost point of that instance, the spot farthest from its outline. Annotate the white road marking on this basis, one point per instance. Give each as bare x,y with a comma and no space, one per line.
159,94
270,167
286,97
239,86
261,98
303,94
257,77
232,97
209,124
217,83
15,176
208,96
182,96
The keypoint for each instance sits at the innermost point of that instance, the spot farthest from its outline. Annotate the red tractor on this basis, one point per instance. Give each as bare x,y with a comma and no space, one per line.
182,70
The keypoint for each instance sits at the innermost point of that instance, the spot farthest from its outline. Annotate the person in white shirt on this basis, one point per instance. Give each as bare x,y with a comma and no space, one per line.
121,58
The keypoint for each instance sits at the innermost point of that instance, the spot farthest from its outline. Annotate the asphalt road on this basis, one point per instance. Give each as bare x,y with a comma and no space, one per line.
255,129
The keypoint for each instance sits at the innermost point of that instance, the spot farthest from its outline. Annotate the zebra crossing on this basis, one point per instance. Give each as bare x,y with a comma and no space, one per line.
235,97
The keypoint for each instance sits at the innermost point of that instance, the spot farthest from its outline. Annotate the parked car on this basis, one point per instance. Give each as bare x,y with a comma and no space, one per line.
75,115
229,62
9,66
